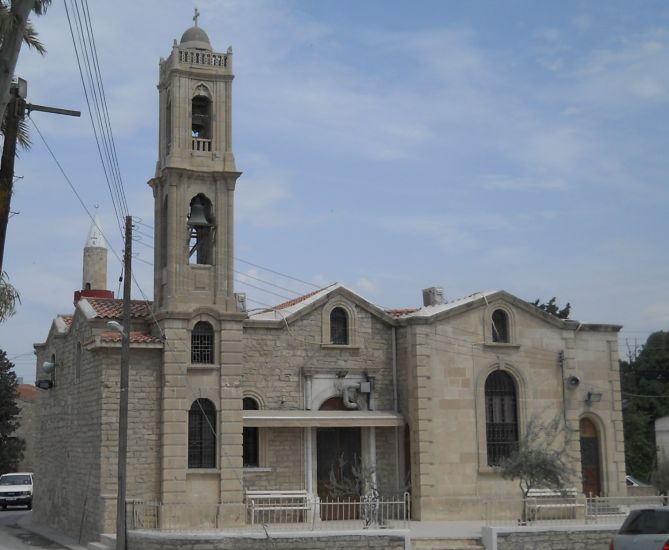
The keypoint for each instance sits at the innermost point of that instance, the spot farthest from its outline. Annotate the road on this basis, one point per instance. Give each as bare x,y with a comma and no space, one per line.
13,537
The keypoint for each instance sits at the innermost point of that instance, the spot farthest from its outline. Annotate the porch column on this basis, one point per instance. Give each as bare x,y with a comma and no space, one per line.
309,459
372,453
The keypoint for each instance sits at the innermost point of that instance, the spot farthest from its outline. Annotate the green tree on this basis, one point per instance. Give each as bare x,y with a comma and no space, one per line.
540,460
11,446
552,308
644,380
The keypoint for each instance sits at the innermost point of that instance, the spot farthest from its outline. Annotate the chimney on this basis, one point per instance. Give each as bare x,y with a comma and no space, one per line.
433,296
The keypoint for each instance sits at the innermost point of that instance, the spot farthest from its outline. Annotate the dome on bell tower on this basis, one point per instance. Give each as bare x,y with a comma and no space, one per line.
195,37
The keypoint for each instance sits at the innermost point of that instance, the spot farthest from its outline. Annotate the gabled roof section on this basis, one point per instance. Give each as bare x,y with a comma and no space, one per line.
431,311
285,309
112,308
292,309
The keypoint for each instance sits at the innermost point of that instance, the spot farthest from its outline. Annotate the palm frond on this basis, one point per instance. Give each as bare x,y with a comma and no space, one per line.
31,40
41,6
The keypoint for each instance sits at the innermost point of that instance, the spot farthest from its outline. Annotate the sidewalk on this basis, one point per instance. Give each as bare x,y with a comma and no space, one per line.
48,533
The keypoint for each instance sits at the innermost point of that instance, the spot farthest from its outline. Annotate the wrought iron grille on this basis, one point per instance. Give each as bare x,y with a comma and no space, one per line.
501,416
338,326
202,343
202,434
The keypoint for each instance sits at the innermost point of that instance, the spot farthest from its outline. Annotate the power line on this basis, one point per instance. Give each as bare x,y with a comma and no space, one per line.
87,58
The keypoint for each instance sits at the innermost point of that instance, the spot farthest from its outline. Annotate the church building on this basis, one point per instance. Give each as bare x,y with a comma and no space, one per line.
223,400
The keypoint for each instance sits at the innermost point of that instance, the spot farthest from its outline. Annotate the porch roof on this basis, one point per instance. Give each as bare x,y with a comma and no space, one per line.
321,419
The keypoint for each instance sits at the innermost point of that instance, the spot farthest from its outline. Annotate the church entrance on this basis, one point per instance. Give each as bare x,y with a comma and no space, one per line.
590,463
337,451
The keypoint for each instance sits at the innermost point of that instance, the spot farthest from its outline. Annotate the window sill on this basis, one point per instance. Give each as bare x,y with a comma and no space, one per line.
202,471
489,470
501,345
202,366
257,470
339,346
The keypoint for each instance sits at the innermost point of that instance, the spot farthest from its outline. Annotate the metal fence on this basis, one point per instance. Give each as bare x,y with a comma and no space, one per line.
388,512
556,510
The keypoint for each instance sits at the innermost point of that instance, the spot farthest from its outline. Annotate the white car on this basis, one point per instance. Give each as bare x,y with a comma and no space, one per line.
16,490
645,529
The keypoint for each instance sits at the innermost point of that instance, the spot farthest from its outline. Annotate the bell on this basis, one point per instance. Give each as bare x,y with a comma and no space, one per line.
197,215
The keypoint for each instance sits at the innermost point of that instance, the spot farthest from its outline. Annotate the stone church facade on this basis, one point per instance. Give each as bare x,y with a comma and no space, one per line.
223,400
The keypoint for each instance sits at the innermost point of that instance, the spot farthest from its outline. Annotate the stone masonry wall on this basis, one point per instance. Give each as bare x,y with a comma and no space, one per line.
67,439
274,359
142,540
143,458
555,540
283,470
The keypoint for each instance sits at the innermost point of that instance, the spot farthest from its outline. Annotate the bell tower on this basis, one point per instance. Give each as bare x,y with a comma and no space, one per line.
195,178
194,300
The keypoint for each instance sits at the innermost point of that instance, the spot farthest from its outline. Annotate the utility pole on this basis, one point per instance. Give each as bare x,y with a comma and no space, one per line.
16,110
121,529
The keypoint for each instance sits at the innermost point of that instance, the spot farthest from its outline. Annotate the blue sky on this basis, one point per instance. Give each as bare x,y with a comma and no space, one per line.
385,145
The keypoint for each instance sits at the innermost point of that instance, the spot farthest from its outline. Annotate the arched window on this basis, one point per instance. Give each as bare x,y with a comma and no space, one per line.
339,326
251,446
202,343
500,326
202,434
201,231
501,416
201,122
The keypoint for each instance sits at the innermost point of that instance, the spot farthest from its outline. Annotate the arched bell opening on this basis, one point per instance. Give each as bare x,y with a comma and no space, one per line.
201,231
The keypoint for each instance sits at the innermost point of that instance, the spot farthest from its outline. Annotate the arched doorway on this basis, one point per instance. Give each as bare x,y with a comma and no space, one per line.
590,460
337,450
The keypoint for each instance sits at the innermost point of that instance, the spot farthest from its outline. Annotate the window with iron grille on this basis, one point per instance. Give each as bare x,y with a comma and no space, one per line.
251,438
202,434
202,343
501,416
500,326
339,326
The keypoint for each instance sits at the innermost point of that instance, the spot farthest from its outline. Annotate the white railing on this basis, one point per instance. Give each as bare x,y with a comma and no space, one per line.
199,144
391,512
194,57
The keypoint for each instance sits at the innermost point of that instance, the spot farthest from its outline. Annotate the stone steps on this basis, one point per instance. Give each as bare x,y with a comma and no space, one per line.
447,544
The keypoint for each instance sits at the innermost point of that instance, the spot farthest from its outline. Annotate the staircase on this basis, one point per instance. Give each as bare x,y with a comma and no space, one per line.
107,542
447,544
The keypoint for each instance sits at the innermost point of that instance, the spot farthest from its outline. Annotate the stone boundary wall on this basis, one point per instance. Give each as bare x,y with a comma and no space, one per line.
572,537
151,540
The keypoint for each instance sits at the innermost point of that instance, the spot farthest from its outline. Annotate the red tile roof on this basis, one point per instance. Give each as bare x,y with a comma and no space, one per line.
26,391
68,320
136,337
113,308
297,300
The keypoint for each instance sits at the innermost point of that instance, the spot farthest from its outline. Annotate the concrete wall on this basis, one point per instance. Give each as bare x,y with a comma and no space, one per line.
143,540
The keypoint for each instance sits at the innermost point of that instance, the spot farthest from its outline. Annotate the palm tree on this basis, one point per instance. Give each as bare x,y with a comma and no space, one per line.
14,30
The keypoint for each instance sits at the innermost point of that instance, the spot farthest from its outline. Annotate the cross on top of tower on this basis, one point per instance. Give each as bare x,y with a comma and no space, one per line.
195,16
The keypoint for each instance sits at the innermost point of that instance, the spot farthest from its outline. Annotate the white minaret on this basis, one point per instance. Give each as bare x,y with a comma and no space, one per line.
95,259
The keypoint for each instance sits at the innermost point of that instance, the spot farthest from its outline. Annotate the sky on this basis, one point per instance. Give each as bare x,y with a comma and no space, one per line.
386,145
